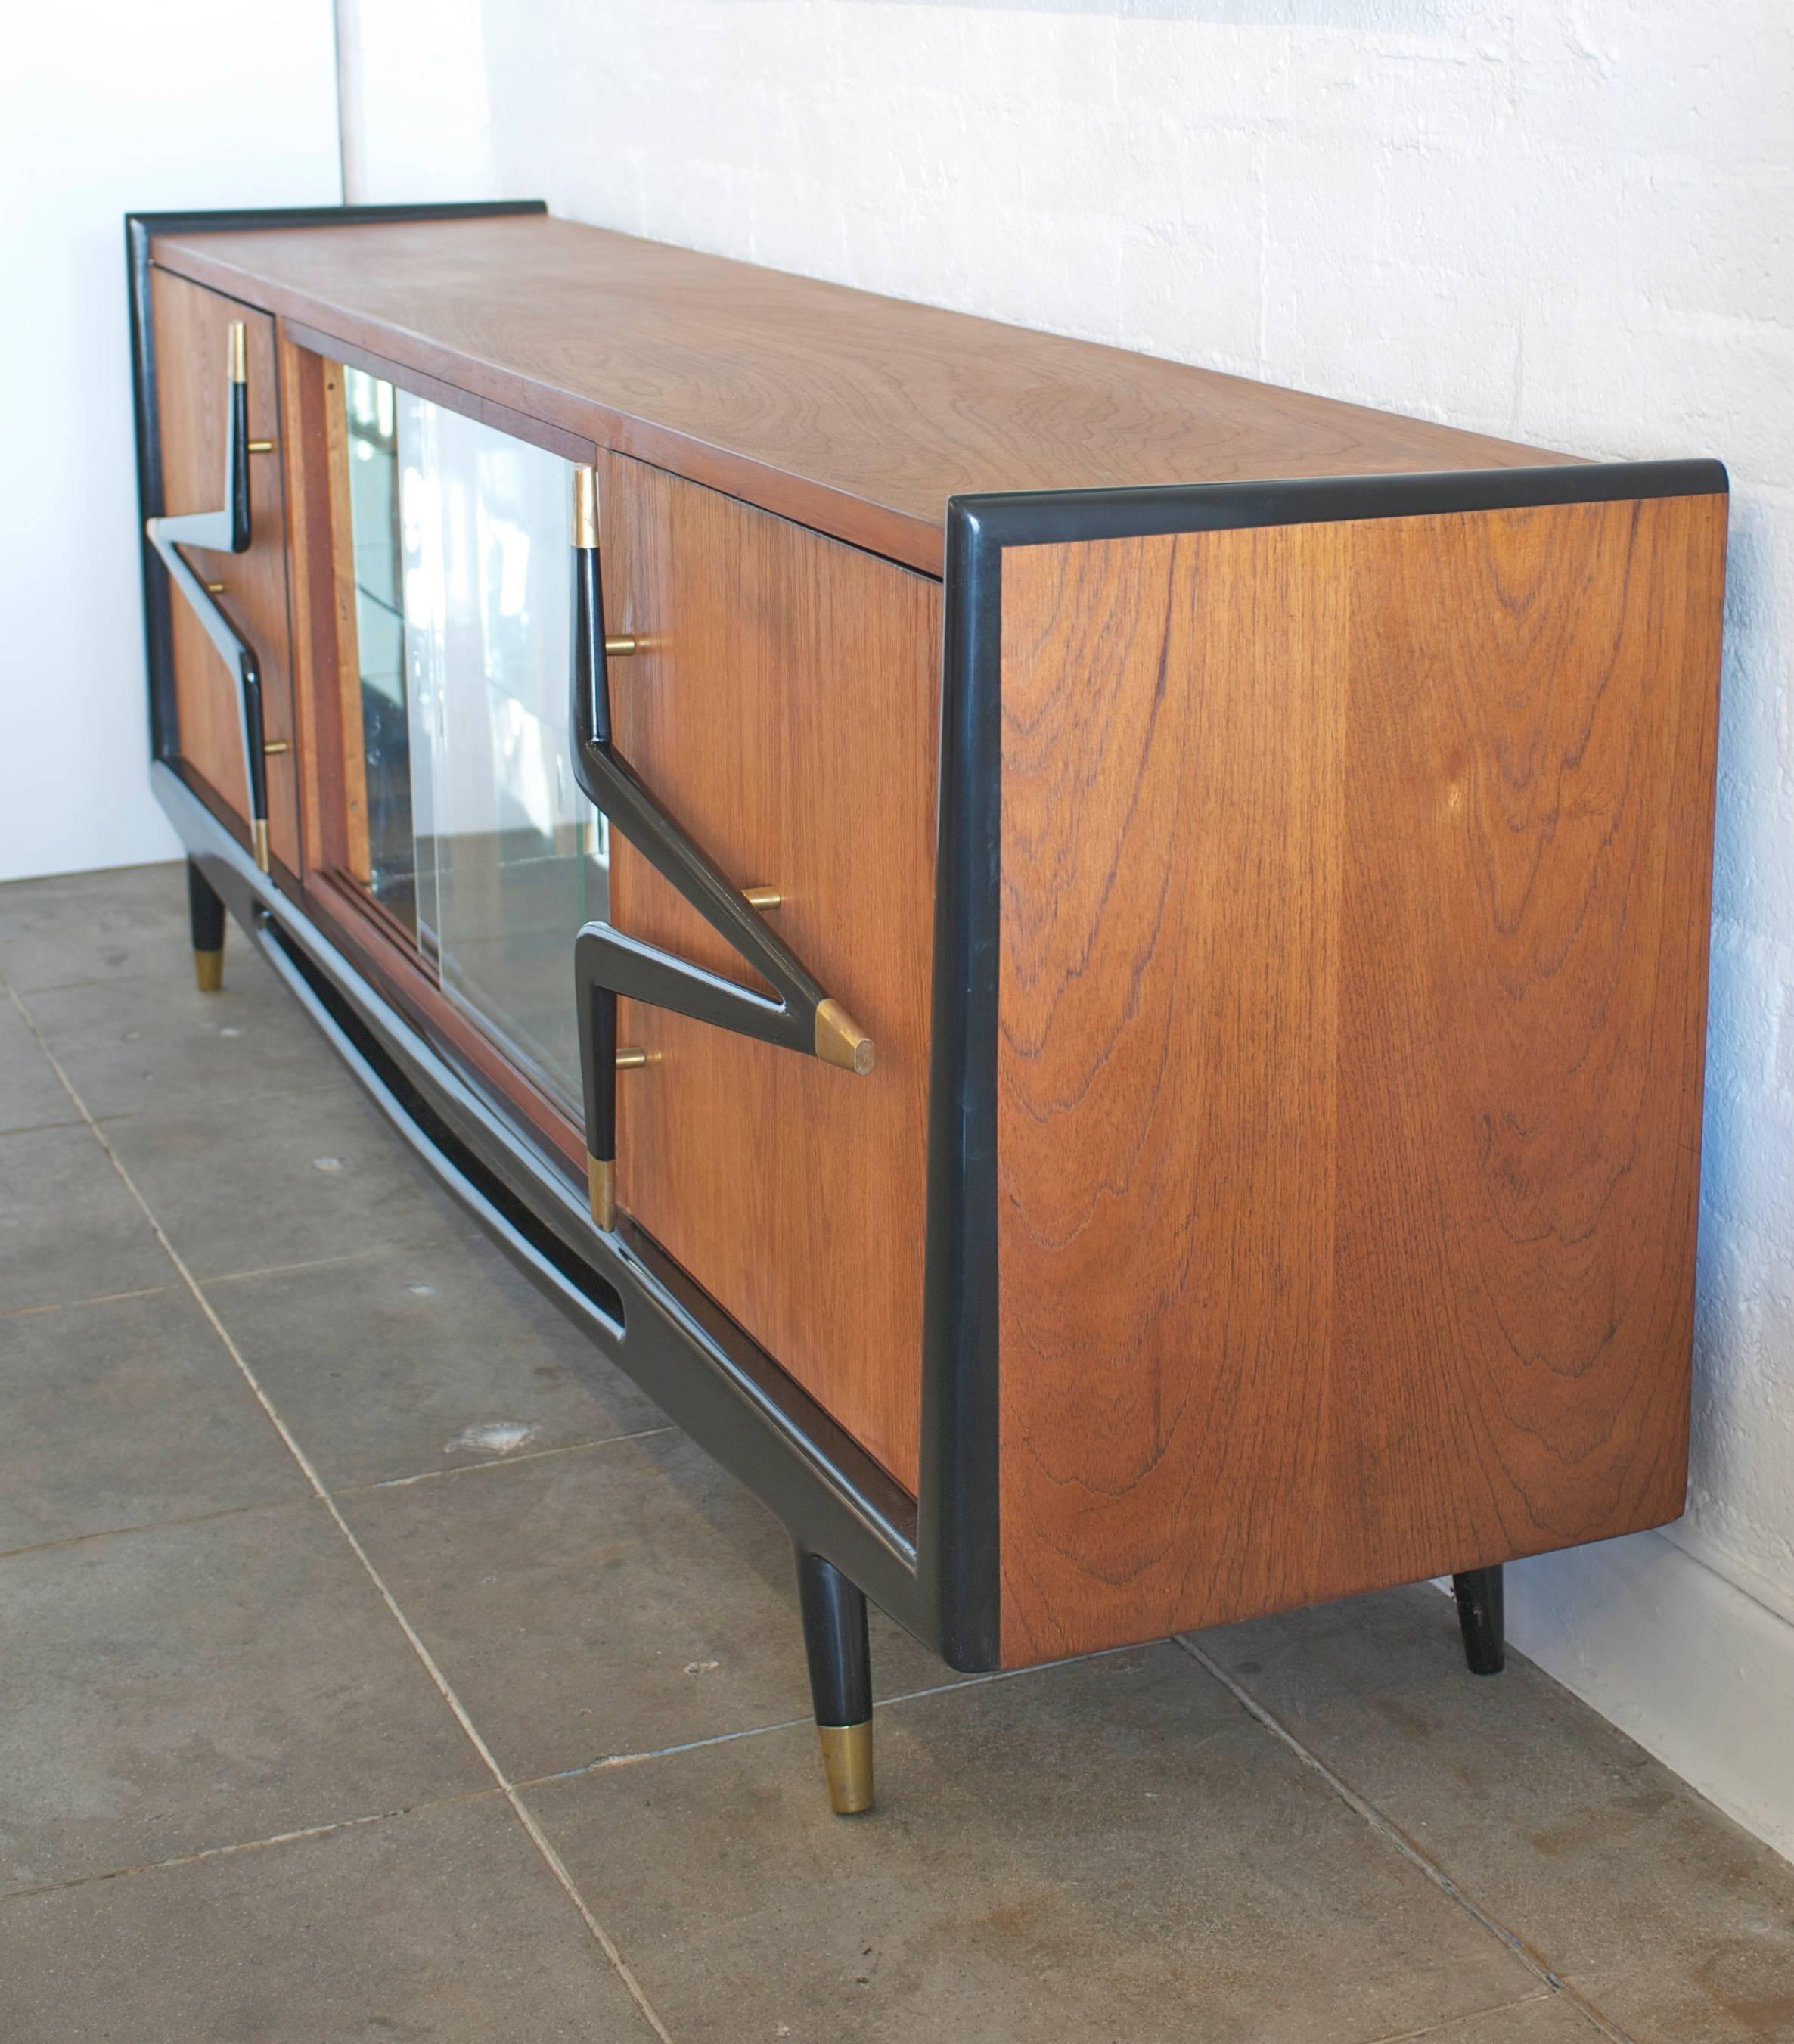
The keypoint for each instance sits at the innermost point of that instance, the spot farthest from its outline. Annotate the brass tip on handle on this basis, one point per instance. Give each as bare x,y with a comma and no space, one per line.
238,353
585,506
259,836
601,1183
847,1762
208,970
839,1040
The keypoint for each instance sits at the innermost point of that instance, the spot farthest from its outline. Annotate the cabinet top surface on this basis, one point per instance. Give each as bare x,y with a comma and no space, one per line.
858,414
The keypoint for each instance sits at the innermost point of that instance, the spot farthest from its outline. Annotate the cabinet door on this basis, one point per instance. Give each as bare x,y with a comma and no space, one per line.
785,713
192,371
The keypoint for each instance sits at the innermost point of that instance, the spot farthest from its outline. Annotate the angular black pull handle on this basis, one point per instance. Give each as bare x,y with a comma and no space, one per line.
798,1016
227,531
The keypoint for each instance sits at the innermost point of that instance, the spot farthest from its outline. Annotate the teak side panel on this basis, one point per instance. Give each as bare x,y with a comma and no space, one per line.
787,718
856,414
192,343
1355,896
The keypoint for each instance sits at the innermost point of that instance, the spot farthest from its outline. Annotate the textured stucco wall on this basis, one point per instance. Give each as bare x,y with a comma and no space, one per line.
1572,225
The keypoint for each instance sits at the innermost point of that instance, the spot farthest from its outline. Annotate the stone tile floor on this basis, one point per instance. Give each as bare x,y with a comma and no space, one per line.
377,1665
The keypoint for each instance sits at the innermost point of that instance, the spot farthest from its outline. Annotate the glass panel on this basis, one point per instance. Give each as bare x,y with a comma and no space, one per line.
380,635
505,857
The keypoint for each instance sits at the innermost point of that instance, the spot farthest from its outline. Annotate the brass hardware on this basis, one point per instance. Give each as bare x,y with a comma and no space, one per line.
620,646
259,833
631,1058
839,1040
214,588
846,1761
209,970
600,1182
239,353
262,447
763,898
274,748
586,507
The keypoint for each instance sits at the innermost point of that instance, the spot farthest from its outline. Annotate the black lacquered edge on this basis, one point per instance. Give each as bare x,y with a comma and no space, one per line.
1049,517
959,1501
139,228
620,1290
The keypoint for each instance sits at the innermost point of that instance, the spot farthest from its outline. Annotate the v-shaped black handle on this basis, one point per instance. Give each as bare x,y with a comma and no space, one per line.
227,531
799,1014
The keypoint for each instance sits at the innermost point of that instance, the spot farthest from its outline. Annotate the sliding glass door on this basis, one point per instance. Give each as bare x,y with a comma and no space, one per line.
477,840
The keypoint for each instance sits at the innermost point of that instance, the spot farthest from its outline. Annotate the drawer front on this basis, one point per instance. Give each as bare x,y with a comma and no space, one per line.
192,368
785,711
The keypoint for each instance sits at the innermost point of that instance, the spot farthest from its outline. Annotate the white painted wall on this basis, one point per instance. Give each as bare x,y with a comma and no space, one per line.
197,103
1570,224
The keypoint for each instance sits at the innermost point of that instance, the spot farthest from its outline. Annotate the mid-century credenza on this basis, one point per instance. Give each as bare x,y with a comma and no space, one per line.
1093,972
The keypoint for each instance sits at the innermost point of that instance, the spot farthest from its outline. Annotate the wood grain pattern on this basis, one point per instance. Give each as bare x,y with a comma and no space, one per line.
192,329
788,718
1355,893
856,414
313,558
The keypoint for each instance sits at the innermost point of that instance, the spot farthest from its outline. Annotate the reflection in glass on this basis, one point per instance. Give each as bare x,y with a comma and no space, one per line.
380,635
505,857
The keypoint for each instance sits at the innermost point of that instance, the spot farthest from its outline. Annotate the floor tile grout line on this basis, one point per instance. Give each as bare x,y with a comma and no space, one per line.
551,1859
331,1263
248,1845
153,1526
1453,2023
98,1298
611,1760
508,1462
1388,1830
359,1489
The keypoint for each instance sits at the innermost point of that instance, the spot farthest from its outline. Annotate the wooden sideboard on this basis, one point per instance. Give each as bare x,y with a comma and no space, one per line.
1095,973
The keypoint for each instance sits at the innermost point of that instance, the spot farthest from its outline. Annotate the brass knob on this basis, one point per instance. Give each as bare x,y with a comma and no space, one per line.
763,898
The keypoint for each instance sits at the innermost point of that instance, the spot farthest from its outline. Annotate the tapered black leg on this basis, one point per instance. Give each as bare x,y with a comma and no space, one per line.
1481,1617
205,917
840,1680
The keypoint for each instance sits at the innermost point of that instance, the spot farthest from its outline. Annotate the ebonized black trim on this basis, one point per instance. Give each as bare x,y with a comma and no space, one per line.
834,1642
607,962
1481,1597
622,1290
958,1486
1053,517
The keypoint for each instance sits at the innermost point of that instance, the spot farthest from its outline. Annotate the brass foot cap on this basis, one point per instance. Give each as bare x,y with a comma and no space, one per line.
847,1760
840,1040
600,1182
208,970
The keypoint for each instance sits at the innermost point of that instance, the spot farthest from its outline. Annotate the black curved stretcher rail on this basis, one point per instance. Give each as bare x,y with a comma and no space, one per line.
227,531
